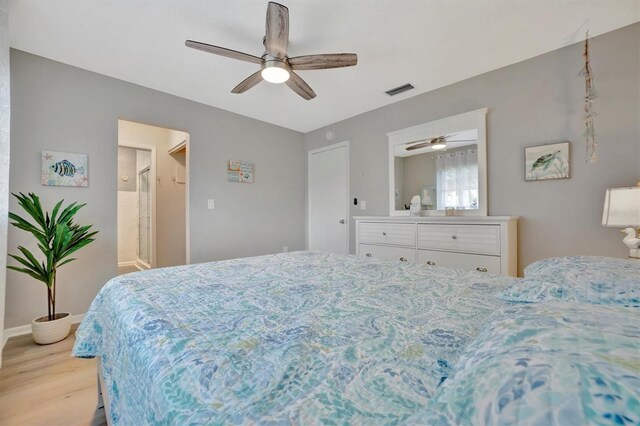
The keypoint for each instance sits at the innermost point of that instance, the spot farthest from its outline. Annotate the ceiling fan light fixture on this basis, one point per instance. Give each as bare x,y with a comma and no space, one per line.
439,143
275,72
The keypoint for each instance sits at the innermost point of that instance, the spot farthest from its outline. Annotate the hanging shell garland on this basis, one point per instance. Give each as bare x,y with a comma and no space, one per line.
590,95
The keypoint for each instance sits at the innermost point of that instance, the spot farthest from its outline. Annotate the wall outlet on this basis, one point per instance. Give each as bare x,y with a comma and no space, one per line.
211,204
363,205
285,249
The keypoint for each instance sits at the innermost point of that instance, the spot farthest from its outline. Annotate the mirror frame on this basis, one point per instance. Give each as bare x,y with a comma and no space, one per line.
469,120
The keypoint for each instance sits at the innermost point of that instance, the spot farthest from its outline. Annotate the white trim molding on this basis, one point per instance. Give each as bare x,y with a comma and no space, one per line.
26,329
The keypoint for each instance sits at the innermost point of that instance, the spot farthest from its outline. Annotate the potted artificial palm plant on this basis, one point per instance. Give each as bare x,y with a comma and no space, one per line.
57,238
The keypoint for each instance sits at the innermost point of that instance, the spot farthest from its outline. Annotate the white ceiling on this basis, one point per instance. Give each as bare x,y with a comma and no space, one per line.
429,43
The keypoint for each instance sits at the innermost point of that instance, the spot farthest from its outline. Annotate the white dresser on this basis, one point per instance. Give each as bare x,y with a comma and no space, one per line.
483,243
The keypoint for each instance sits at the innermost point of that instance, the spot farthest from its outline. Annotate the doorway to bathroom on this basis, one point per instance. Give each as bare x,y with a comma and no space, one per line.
152,197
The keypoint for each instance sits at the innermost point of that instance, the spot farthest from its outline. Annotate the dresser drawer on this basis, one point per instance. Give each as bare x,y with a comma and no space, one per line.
484,239
397,234
388,253
469,262
437,237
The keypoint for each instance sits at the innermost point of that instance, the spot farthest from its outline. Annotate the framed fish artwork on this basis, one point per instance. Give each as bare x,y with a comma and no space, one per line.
64,169
545,162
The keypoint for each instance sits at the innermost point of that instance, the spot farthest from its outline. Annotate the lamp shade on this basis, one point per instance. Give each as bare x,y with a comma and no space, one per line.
622,207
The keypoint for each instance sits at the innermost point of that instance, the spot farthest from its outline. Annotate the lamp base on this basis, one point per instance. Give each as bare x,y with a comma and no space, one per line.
634,254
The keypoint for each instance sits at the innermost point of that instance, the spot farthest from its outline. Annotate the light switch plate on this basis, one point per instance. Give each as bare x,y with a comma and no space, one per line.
211,204
363,205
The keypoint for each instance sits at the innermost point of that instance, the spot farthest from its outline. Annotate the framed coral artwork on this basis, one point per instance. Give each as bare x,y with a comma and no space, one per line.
64,169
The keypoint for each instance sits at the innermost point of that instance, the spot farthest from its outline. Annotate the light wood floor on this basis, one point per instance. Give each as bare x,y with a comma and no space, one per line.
45,385
127,269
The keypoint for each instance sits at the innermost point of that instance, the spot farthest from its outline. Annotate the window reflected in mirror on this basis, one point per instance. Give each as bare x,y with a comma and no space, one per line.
442,170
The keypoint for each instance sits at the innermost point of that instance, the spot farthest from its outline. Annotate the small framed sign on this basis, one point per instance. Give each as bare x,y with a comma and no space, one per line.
240,171
543,162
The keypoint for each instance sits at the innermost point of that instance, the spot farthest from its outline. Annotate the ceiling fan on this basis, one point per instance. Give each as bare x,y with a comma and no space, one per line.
275,65
436,143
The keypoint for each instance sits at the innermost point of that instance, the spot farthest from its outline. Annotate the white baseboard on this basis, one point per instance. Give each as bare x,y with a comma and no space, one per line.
142,265
127,263
26,329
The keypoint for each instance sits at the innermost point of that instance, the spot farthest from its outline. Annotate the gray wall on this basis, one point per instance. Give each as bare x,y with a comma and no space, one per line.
532,102
4,149
417,171
59,107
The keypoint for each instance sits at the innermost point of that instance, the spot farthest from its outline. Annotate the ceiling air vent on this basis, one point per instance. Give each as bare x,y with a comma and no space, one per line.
399,89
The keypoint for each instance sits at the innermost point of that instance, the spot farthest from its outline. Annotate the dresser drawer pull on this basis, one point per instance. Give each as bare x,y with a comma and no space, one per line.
454,237
402,259
481,269
368,254
384,233
431,263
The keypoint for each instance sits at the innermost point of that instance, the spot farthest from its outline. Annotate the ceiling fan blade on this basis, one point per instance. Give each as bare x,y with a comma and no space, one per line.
319,62
277,30
300,86
248,82
418,146
234,54
428,141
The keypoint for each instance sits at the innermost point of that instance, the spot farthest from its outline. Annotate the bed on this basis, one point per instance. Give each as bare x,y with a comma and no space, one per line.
317,338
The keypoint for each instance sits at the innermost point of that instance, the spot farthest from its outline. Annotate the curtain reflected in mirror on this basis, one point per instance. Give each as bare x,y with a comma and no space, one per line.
457,180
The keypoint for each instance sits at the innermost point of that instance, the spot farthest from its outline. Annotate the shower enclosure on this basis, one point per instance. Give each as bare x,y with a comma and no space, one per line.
144,217
136,193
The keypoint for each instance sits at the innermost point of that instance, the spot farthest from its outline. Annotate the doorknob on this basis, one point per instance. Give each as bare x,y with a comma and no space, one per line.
341,221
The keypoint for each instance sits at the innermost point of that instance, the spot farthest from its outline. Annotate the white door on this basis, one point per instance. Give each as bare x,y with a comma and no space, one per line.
328,198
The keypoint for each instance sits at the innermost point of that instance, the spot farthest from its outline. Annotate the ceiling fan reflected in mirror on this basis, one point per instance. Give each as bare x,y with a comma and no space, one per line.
437,143
275,65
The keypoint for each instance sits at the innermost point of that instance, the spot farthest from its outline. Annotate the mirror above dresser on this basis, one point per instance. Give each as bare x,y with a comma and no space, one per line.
435,169
443,163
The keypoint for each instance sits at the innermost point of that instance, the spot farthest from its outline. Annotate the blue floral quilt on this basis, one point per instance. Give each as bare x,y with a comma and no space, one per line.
581,279
552,363
295,338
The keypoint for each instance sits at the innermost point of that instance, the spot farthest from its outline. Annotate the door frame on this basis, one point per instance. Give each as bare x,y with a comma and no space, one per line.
347,219
153,178
187,201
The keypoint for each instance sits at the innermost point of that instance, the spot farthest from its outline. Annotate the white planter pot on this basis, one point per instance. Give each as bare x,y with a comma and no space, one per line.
45,332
